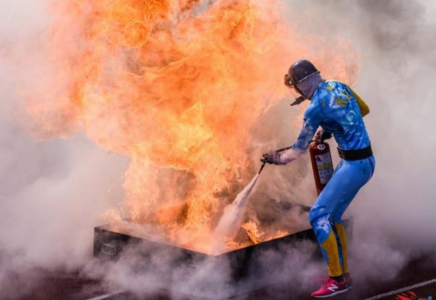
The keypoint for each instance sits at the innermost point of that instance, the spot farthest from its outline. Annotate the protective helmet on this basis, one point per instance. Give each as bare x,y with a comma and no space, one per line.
299,72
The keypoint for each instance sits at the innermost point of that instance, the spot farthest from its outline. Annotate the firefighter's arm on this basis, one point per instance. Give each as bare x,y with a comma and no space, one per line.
310,125
290,155
364,108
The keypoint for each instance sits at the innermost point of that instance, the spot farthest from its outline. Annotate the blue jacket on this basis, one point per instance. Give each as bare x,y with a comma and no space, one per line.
337,109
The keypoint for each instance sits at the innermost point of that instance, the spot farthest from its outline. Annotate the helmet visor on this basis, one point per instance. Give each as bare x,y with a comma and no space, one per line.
295,91
292,84
288,81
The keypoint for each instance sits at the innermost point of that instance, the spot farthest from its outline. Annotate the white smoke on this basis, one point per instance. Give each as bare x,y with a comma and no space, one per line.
51,193
231,220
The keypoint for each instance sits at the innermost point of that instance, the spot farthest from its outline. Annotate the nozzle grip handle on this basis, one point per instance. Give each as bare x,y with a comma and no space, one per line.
280,150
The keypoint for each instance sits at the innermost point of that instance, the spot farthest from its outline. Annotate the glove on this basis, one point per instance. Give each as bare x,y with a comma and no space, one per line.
322,135
272,157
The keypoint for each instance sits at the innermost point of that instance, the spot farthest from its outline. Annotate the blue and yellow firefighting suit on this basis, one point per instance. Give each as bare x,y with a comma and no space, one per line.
339,110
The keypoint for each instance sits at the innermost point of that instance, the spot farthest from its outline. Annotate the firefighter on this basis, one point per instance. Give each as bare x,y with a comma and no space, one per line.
339,111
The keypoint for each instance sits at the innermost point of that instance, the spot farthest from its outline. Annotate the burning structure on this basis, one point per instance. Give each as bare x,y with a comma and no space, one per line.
242,270
176,86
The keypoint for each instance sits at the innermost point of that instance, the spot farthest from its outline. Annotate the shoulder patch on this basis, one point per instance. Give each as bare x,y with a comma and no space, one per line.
345,94
341,102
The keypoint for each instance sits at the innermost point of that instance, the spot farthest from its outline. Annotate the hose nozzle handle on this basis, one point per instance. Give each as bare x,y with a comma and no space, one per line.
280,150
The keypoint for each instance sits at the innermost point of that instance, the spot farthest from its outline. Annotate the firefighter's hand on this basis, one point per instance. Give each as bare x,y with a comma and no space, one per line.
272,157
322,135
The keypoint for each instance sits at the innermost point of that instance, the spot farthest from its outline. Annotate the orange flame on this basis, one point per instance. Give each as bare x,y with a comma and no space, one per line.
176,86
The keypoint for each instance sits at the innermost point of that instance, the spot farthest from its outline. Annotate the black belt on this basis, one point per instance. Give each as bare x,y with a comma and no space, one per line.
355,154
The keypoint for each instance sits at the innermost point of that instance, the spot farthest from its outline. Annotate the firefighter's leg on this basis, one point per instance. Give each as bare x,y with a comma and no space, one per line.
360,173
327,211
342,245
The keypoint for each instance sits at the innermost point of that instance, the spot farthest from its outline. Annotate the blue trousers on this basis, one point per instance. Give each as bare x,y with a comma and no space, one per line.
326,213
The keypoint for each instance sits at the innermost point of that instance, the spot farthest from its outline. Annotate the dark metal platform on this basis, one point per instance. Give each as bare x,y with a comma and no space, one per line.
240,271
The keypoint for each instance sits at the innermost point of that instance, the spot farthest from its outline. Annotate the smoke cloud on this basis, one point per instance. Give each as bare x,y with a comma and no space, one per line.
52,193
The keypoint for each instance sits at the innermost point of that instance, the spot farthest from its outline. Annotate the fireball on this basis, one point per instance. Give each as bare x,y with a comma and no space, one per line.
176,86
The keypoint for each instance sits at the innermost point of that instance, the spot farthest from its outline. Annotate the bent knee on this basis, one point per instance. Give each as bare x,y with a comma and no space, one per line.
317,212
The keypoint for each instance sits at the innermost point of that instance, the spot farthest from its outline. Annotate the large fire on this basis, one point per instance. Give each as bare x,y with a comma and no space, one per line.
176,86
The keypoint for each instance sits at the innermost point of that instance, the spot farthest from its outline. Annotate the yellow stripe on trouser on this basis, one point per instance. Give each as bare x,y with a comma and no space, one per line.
343,240
330,246
331,250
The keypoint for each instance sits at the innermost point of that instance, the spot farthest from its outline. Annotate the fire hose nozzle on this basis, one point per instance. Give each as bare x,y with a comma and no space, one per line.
261,168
